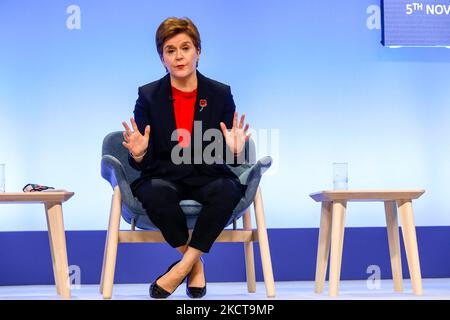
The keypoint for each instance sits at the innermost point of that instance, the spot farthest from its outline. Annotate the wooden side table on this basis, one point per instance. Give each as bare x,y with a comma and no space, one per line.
332,221
53,209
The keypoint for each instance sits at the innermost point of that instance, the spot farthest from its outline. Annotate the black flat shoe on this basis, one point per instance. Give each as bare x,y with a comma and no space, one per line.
156,291
196,292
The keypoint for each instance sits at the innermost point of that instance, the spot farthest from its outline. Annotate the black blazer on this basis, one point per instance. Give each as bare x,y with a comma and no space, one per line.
154,107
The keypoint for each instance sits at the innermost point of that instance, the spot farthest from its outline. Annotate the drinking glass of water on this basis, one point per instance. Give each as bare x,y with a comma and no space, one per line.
340,175
2,177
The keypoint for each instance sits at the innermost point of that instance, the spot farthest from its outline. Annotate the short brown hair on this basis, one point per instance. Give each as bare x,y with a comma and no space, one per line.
173,26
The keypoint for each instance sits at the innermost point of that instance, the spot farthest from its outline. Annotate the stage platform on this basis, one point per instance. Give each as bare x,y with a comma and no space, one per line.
434,289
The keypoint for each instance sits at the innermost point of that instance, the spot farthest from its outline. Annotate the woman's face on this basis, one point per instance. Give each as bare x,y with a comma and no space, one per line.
180,56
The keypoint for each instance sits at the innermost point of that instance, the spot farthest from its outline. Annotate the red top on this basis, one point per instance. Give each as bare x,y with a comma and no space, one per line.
184,106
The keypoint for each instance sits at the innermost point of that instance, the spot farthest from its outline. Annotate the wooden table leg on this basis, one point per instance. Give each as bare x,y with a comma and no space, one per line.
55,224
410,240
337,241
394,244
51,236
323,247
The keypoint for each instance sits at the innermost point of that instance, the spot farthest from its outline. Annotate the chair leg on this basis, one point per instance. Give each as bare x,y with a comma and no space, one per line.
264,244
410,240
323,247
394,244
337,241
112,242
249,256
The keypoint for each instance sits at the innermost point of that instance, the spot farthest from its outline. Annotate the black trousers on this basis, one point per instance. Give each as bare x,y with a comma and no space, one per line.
219,196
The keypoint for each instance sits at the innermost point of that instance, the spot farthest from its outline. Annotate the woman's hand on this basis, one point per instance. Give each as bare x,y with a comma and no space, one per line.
135,142
236,137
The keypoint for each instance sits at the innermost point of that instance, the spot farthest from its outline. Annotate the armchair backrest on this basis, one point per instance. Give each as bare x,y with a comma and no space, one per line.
112,145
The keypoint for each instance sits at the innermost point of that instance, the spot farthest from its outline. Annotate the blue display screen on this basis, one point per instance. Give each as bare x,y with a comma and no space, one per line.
416,23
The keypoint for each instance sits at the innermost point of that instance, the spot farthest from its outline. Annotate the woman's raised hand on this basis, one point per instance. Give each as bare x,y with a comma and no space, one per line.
236,137
135,142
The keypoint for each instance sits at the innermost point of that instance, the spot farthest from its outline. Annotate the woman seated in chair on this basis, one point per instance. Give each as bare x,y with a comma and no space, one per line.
173,166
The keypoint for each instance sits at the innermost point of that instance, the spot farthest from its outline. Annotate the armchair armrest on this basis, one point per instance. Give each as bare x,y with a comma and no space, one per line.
113,171
251,177
255,172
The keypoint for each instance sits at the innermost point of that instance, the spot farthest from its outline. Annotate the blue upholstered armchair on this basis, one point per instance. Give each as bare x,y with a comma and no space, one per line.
116,170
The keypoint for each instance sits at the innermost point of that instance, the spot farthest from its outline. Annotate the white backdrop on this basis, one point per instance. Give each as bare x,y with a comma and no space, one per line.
315,74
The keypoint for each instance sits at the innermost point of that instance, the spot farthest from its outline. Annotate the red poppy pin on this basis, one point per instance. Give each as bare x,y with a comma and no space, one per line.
203,103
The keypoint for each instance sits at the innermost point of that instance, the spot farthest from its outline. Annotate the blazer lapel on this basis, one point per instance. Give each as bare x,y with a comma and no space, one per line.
165,108
204,102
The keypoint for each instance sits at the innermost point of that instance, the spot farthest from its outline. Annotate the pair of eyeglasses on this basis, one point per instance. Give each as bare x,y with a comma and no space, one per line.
32,187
